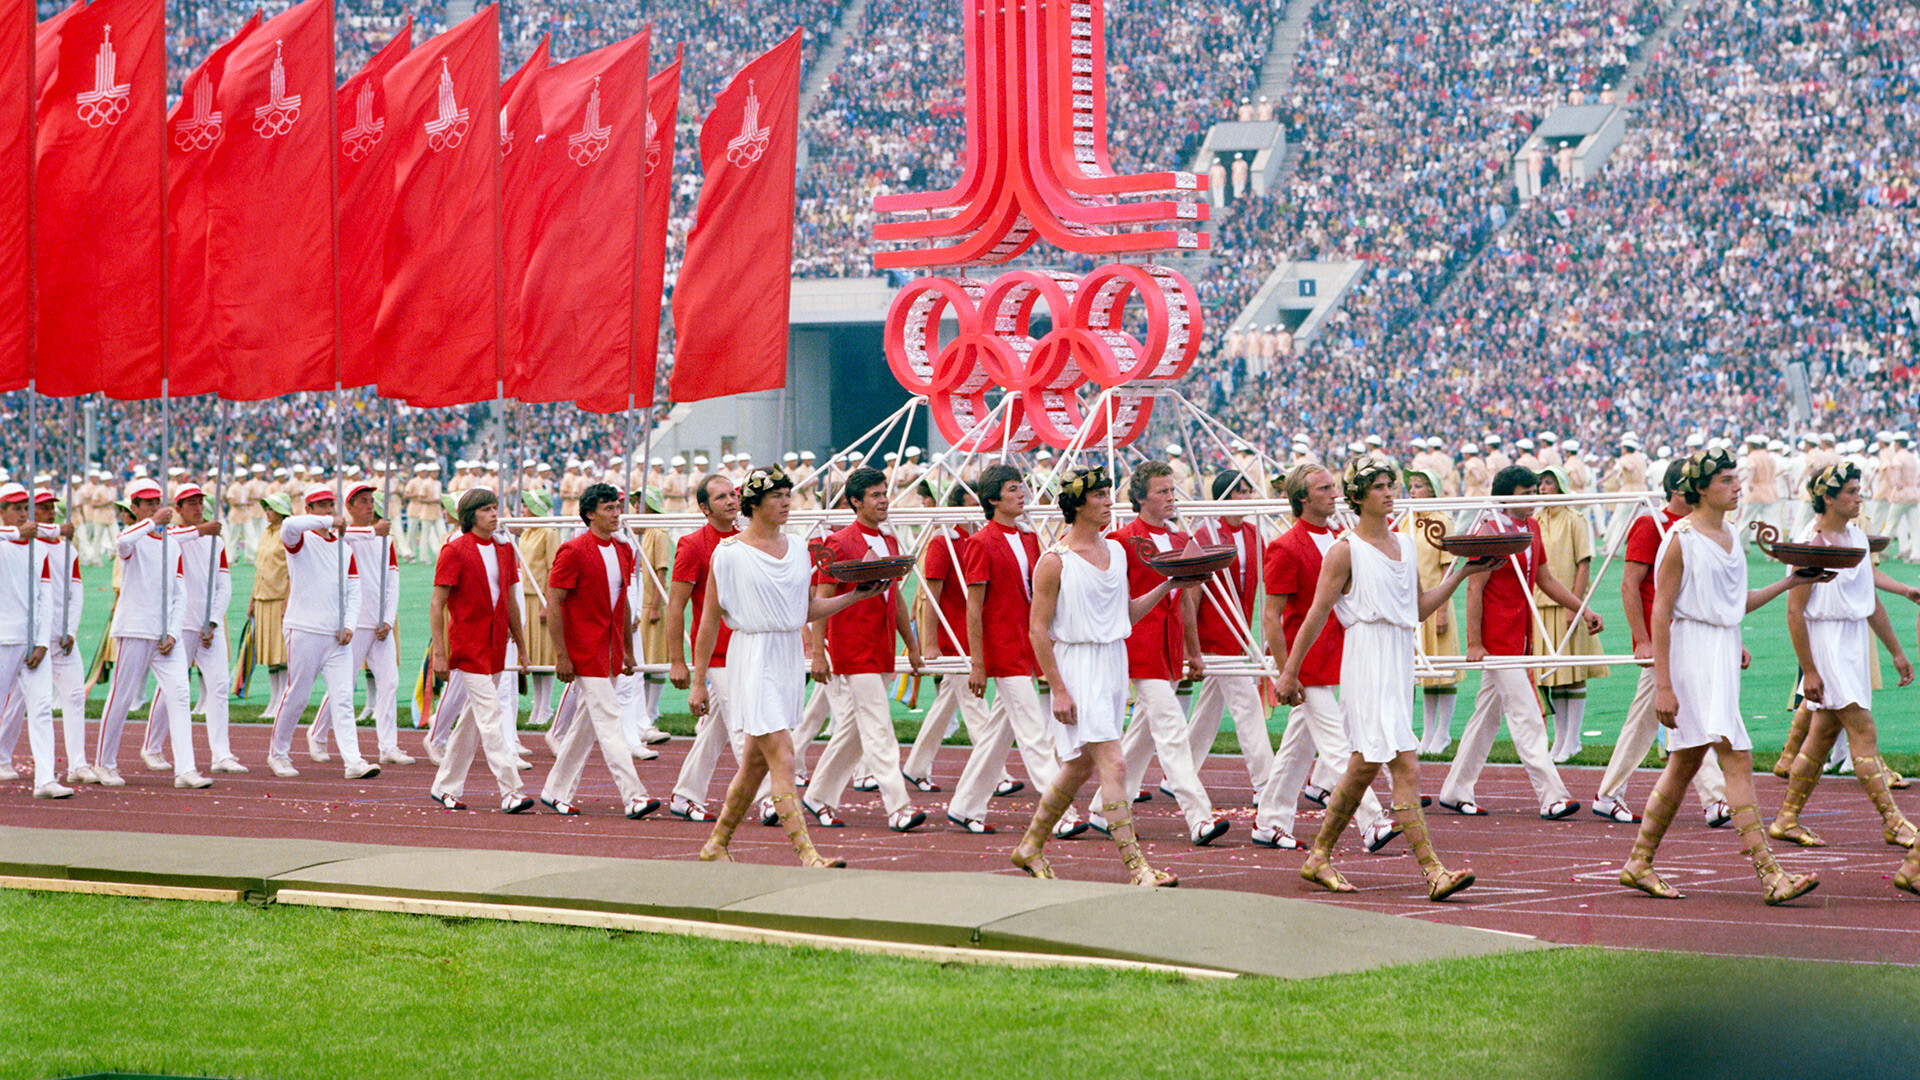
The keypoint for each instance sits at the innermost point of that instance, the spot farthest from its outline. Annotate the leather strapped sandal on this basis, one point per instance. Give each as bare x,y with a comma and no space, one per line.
1644,878
1324,875
1033,863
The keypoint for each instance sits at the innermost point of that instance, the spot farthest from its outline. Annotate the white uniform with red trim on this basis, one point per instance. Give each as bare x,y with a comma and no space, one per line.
197,554
34,686
68,671
382,658
316,612
152,610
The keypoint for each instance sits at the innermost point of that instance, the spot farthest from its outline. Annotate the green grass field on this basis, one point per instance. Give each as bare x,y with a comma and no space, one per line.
1764,691
199,989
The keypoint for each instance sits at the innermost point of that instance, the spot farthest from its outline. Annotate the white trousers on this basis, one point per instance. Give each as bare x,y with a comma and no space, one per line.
863,738
68,676
596,718
453,698
1159,726
215,683
1016,717
382,659
1507,692
812,722
1237,696
1315,743
1637,733
478,725
313,656
949,700
710,736
134,659
29,698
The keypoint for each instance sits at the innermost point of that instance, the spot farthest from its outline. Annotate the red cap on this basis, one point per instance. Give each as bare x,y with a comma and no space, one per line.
143,488
319,493
188,491
12,493
357,488
41,495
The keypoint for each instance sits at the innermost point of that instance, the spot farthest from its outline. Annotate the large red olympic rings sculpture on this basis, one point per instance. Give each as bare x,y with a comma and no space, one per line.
1092,347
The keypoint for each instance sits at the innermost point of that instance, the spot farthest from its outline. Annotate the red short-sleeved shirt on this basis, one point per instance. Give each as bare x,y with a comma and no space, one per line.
693,564
594,619
860,637
1506,607
1241,581
1157,647
1293,571
943,565
1005,611
1643,547
477,633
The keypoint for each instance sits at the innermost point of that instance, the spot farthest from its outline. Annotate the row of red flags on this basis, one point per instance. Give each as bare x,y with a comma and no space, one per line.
422,229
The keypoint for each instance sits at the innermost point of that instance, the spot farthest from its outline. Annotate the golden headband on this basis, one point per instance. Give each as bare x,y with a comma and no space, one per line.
1830,481
1080,481
1704,465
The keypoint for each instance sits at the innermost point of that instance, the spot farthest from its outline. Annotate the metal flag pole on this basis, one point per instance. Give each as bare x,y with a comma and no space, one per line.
386,500
30,529
219,485
340,496
166,455
71,547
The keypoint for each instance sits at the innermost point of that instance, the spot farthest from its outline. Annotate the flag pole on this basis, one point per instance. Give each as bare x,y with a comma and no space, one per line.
72,547
219,483
386,501
30,528
339,413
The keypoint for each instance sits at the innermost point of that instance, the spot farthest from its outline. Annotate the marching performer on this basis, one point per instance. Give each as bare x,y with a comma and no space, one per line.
1439,632
1158,644
1700,596
1292,567
474,615
203,552
1235,589
376,643
760,582
270,599
591,631
1370,579
69,672
319,627
1083,616
1637,732
1500,623
149,622
1568,540
692,578
1829,625
26,572
855,660
941,621
998,563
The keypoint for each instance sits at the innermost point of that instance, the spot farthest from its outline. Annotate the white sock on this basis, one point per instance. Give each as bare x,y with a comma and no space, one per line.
1576,707
542,698
651,697
1439,719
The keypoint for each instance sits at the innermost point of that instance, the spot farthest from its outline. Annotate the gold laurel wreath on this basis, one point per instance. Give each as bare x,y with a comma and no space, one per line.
761,481
1703,465
1080,481
1361,472
1829,482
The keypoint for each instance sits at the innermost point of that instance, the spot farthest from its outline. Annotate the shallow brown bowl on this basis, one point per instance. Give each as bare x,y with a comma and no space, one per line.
1202,564
890,568
1817,556
1878,544
1485,545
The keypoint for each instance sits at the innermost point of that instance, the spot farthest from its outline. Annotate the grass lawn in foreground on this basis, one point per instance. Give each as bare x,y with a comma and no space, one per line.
200,989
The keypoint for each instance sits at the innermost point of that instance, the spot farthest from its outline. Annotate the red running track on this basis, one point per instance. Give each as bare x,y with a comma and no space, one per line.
1554,880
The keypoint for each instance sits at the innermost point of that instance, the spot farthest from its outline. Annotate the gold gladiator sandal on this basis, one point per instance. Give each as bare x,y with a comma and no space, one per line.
1441,882
1781,886
1907,878
796,827
1874,775
732,812
1653,826
1124,838
1800,784
1796,734
1027,854
1319,865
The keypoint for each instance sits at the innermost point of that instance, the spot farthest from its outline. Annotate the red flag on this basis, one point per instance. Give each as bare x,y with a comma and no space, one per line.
663,108
46,46
194,127
100,204
270,210
730,301
18,98
438,336
520,121
579,302
366,202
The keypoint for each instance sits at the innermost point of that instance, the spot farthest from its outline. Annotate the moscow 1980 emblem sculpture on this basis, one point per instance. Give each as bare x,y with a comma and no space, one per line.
1037,169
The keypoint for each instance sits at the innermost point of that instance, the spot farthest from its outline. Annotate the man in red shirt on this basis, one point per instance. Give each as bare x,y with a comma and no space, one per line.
1226,621
942,626
856,662
592,634
692,570
1638,730
998,566
1316,725
1162,642
1499,622
473,615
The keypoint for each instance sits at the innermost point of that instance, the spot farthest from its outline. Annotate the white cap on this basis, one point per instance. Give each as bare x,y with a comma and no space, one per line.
913,451
176,471
890,457
807,455
1696,440
655,461
1356,448
1469,448
1570,444
1493,440
1756,440
1548,437
1525,444
1376,441
543,467
1173,450
679,460
281,473
1044,455
728,459
789,456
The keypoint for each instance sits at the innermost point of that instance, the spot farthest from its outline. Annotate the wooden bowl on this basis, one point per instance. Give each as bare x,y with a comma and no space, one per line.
891,568
1204,564
1878,544
1808,556
1475,545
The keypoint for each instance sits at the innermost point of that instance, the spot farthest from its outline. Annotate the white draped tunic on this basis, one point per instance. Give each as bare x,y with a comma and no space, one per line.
1381,613
1703,645
764,602
1090,628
